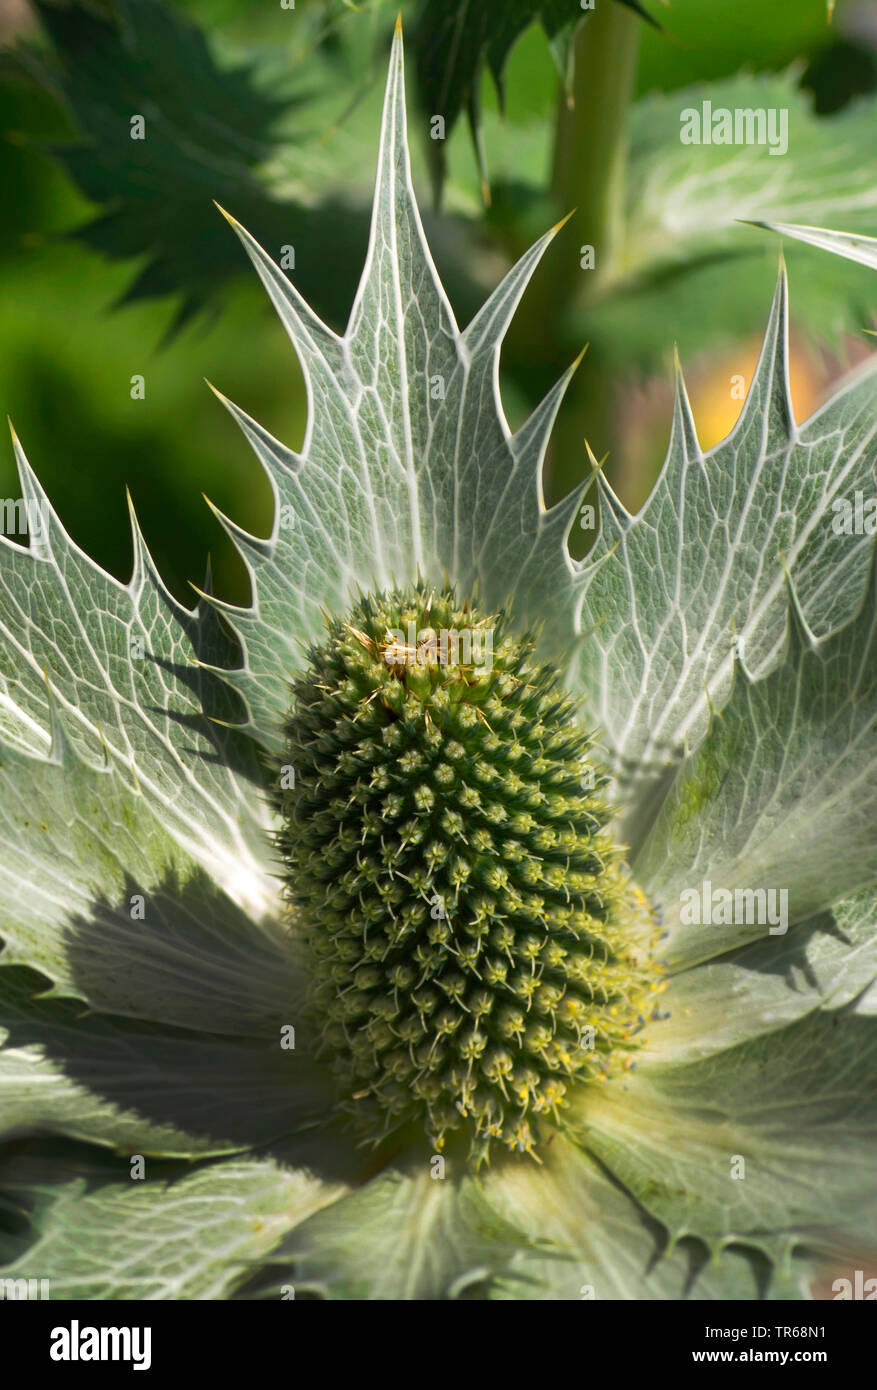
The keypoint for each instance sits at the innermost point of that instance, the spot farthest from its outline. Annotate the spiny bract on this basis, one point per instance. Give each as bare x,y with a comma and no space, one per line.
476,945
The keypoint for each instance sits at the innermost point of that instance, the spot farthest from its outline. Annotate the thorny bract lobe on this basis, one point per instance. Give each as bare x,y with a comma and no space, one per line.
476,948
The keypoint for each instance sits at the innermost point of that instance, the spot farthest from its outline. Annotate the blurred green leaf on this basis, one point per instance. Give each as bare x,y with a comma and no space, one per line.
206,132
684,198
454,42
707,40
684,240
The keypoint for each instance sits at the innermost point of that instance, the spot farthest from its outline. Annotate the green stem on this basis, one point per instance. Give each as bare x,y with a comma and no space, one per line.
591,139
590,165
590,161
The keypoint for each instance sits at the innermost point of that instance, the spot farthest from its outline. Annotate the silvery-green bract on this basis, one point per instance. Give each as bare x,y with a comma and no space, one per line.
221,833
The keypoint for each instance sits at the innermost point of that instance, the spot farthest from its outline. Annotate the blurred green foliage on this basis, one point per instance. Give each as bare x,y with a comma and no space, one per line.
455,42
706,40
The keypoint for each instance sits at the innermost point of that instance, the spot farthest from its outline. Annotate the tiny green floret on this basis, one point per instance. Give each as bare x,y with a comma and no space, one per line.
476,947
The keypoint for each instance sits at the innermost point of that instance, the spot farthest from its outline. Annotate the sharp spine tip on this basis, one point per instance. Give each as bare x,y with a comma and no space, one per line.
563,221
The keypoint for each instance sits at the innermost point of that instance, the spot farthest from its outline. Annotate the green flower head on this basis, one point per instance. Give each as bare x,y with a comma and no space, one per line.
474,948
471,919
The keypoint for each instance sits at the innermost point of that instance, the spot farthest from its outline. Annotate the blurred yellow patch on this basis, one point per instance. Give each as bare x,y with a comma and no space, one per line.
717,395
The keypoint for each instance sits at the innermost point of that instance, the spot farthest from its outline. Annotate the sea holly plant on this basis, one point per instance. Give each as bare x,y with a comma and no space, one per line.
458,919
